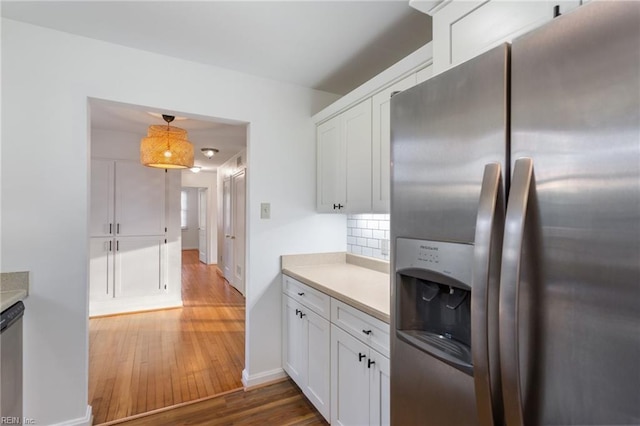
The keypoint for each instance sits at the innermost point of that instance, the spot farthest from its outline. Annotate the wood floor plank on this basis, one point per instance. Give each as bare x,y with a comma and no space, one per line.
145,361
277,404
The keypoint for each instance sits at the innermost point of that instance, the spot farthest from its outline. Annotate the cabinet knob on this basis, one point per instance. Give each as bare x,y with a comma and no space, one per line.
302,315
370,363
297,311
367,332
360,356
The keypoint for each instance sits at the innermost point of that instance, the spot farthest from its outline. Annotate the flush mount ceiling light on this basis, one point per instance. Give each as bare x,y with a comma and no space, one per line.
196,169
166,147
209,152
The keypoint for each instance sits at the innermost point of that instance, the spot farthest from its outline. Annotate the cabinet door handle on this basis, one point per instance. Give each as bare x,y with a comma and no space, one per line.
110,247
367,332
297,311
300,294
117,245
370,363
118,228
360,356
110,228
302,315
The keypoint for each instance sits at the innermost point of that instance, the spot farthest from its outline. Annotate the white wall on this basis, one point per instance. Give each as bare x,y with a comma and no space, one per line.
207,180
190,234
47,78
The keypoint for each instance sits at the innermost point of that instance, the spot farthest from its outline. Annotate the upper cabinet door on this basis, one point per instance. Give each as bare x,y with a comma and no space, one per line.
332,164
140,200
380,143
463,30
356,134
102,181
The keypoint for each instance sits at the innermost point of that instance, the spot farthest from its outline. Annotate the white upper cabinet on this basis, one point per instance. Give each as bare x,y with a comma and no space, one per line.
462,30
102,181
381,143
140,199
344,161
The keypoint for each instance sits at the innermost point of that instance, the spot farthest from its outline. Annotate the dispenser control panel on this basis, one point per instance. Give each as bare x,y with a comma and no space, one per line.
452,259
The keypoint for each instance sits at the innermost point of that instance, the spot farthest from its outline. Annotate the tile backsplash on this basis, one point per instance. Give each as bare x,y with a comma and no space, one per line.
368,235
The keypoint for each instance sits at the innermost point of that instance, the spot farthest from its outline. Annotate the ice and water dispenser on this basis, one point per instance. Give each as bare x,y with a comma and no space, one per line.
433,299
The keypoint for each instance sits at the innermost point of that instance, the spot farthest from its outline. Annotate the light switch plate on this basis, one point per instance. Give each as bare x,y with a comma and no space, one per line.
265,210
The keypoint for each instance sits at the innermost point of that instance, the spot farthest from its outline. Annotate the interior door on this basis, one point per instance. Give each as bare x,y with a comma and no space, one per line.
227,251
202,225
238,236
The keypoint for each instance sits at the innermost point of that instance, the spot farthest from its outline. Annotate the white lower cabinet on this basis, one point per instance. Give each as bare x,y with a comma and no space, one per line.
360,382
305,351
127,274
338,356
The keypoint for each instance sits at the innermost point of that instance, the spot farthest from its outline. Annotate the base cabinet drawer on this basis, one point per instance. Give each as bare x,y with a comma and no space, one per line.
364,327
313,299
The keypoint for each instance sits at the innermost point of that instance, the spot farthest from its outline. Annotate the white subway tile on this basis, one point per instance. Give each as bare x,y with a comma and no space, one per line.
387,235
361,223
367,251
351,223
356,249
367,233
356,232
362,242
379,235
384,224
373,243
377,253
351,240
372,224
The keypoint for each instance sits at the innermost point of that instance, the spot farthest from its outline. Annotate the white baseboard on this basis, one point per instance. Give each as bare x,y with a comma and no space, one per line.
262,378
87,420
134,304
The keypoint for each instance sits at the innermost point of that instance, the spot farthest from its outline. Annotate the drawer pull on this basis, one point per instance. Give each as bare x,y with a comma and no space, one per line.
370,363
360,356
297,311
302,315
367,332
300,294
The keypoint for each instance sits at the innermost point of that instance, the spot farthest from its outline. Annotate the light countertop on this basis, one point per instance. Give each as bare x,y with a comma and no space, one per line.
356,280
14,287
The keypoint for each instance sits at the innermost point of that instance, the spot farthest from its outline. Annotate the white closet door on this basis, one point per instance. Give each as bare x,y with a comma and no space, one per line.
238,199
101,268
140,199
139,266
102,181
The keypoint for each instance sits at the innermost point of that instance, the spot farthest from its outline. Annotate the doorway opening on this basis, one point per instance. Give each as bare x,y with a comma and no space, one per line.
180,336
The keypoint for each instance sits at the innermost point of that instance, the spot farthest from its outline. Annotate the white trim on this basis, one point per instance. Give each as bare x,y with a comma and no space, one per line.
429,7
261,378
134,304
87,420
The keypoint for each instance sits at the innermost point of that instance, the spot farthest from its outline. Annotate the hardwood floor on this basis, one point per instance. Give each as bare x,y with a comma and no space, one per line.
145,361
278,404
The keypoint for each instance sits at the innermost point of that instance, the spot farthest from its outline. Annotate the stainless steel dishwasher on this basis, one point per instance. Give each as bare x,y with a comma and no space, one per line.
11,362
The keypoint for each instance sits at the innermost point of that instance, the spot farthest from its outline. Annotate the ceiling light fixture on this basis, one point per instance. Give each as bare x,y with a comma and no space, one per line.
166,147
209,152
196,169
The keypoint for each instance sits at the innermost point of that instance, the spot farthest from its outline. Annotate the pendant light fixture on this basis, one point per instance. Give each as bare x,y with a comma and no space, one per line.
166,147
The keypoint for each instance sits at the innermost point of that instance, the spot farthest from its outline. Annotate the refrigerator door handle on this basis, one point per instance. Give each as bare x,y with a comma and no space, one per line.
509,289
484,296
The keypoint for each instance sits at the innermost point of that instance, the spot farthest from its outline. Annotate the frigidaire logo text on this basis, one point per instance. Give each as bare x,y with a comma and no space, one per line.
429,248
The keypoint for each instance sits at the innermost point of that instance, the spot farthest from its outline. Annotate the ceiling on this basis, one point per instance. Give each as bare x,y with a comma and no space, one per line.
332,46
203,132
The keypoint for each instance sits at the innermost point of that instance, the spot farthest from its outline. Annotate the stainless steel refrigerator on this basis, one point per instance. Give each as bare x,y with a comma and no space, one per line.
515,226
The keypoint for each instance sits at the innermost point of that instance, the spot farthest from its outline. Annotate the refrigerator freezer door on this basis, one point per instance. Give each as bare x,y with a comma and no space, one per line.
443,134
576,114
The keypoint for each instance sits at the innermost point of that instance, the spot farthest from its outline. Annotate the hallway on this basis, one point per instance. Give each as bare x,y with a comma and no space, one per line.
145,361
